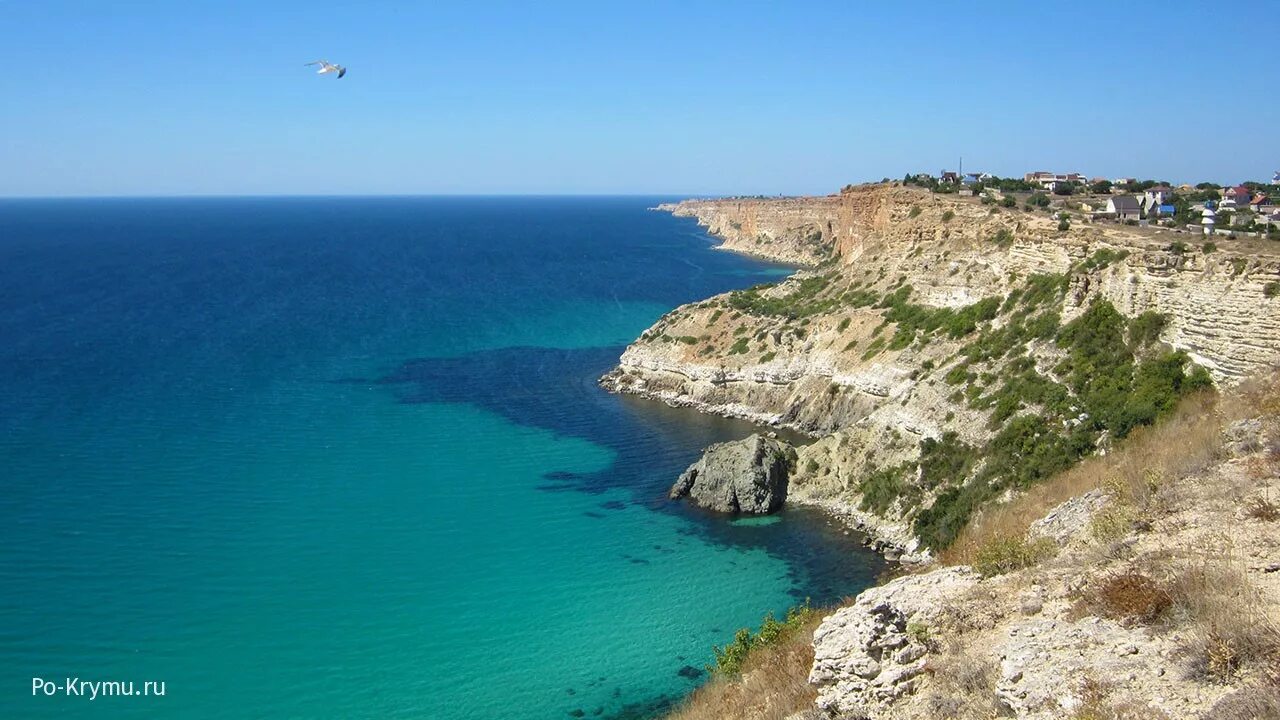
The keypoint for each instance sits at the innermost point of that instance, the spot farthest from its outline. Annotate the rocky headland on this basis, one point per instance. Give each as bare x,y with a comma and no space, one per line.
887,344
1024,414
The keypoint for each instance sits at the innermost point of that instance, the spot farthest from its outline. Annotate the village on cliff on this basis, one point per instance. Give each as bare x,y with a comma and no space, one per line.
1248,209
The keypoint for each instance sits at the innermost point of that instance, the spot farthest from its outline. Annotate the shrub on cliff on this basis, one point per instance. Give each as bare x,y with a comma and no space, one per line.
938,525
1006,554
883,487
1103,258
1146,328
1113,378
804,300
1129,595
731,657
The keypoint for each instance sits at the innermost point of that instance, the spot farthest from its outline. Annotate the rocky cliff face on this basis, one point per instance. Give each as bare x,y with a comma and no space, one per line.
1125,620
826,352
1141,585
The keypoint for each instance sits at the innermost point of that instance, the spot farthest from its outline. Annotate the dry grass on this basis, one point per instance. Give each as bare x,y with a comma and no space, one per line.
1233,627
774,683
1002,555
1096,703
1183,444
1129,595
1251,703
1112,523
962,685
1261,508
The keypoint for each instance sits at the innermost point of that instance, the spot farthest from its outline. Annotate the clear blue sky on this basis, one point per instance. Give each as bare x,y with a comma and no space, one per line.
132,97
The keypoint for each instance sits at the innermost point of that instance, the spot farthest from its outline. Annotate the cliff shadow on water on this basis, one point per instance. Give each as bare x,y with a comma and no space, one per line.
555,390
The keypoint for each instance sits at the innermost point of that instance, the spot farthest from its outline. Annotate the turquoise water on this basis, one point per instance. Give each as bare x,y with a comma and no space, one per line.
347,458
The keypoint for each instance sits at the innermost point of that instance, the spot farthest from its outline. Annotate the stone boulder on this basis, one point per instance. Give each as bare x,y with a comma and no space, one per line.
869,654
1070,519
743,476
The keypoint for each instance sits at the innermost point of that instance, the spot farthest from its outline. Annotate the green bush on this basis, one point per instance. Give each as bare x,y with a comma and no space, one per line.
873,349
1006,554
1209,247
938,525
844,325
1009,201
1271,289
948,216
1042,288
805,300
1044,326
884,486
1103,258
915,211
731,657
1146,328
945,461
1099,365
740,347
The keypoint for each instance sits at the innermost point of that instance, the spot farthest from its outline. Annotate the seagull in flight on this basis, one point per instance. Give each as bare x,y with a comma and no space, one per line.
328,67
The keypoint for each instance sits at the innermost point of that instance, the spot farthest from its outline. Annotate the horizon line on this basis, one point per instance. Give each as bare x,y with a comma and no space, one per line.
180,196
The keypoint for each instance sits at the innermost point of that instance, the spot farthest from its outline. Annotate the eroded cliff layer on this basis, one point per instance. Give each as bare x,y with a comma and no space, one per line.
930,332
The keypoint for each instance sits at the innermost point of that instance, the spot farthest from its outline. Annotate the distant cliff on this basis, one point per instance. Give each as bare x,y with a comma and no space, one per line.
1026,404
828,353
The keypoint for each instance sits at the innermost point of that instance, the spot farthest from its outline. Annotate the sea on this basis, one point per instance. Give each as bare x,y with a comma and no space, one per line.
347,457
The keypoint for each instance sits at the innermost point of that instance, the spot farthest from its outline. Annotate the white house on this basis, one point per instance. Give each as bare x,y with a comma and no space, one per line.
1154,197
1123,207
1049,181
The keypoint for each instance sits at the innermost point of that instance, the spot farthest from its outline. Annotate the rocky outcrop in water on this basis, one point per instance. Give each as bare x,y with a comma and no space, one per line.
744,476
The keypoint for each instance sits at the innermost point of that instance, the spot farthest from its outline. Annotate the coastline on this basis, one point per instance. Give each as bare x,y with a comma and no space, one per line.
941,358
892,542
828,374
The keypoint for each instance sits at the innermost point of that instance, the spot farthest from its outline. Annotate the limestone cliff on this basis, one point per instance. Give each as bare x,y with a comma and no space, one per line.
1145,606
1140,585
858,351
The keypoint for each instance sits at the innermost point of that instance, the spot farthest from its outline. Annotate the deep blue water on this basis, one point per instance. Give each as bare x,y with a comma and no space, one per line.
347,458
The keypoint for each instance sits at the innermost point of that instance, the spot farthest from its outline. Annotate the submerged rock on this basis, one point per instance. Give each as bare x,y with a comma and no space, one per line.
743,476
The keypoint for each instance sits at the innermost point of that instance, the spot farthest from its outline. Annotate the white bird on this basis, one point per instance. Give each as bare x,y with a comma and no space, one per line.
328,67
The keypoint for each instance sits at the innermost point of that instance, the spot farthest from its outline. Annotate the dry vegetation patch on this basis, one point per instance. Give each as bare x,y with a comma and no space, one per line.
1129,595
774,682
962,685
1134,473
1097,703
1233,628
